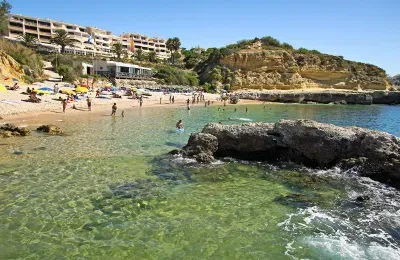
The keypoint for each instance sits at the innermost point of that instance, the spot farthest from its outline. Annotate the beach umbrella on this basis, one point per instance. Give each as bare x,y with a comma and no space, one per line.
3,89
46,89
42,92
67,91
84,85
114,89
15,79
81,89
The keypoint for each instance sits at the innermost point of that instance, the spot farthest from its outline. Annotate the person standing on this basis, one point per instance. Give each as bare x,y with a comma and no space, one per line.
160,100
141,101
114,109
89,103
247,109
56,88
64,104
173,99
170,99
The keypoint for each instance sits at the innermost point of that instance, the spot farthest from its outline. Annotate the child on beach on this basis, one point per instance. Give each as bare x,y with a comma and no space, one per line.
64,104
89,103
114,109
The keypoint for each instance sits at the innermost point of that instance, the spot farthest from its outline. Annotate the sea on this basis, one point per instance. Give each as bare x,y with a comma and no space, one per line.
107,189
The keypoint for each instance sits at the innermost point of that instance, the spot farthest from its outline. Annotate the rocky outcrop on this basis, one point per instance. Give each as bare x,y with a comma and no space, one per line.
374,154
284,69
9,68
10,130
50,129
325,97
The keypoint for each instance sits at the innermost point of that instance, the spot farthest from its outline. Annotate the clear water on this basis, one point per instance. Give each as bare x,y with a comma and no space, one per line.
106,190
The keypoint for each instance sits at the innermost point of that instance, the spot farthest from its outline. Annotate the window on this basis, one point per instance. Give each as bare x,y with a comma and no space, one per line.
125,69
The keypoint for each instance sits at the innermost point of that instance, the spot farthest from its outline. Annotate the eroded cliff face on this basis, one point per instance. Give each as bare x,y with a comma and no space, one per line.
9,68
281,69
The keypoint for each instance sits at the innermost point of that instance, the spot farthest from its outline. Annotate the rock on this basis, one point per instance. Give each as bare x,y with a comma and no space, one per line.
362,198
5,134
51,129
375,154
201,146
8,130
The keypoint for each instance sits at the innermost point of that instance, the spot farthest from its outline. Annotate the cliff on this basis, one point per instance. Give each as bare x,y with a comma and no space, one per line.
289,69
9,68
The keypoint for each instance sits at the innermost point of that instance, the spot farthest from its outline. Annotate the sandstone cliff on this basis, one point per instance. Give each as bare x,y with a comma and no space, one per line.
9,68
285,69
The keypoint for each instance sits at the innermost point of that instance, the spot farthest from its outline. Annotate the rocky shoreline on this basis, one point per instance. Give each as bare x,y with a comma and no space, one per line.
325,97
372,153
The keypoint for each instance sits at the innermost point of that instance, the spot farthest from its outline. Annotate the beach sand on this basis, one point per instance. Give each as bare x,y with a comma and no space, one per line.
49,110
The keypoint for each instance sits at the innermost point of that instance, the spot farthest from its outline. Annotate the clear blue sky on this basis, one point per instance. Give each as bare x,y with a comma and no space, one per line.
367,31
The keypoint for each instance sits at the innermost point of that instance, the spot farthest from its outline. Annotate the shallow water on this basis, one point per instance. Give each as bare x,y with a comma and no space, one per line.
106,190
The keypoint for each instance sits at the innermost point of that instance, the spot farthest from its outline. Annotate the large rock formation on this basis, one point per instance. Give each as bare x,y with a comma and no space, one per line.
10,130
325,97
375,154
50,129
284,69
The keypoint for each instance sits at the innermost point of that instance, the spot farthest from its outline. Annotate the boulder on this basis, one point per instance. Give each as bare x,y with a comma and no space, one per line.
201,147
9,130
374,154
50,129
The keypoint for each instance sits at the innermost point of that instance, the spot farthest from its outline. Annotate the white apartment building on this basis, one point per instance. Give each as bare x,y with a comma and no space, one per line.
100,44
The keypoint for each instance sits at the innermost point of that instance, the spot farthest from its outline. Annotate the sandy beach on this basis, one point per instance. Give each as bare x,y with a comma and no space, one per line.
14,110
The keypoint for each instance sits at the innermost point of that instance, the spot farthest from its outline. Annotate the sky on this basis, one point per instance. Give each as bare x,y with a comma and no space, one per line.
366,31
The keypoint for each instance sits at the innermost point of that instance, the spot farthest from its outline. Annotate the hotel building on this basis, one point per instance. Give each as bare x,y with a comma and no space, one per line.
99,45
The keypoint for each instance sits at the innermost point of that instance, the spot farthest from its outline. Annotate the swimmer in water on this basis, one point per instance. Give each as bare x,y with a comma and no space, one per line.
179,125
247,109
235,109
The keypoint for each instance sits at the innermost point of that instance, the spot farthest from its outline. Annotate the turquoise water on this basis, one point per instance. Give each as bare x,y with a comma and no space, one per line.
106,190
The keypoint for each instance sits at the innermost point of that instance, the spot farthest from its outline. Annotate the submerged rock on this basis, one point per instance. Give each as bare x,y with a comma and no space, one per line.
9,130
51,129
375,154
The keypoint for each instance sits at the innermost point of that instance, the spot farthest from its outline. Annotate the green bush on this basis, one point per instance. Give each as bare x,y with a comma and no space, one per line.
66,72
174,76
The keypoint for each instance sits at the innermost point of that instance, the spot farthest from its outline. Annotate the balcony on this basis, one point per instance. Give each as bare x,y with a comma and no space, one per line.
31,31
30,23
16,28
45,33
44,25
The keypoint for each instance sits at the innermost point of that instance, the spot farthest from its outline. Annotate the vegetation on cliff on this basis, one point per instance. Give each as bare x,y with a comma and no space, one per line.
31,62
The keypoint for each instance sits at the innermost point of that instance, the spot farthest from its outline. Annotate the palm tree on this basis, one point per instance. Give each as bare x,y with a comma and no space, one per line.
118,49
152,56
139,55
173,44
29,40
61,38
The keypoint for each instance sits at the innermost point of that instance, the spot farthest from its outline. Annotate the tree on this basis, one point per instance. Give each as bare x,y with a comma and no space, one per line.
269,41
152,56
287,46
173,44
139,55
5,8
29,40
63,39
175,56
118,49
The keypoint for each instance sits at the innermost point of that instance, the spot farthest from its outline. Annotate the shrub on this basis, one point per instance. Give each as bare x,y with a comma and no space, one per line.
269,41
175,76
66,72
